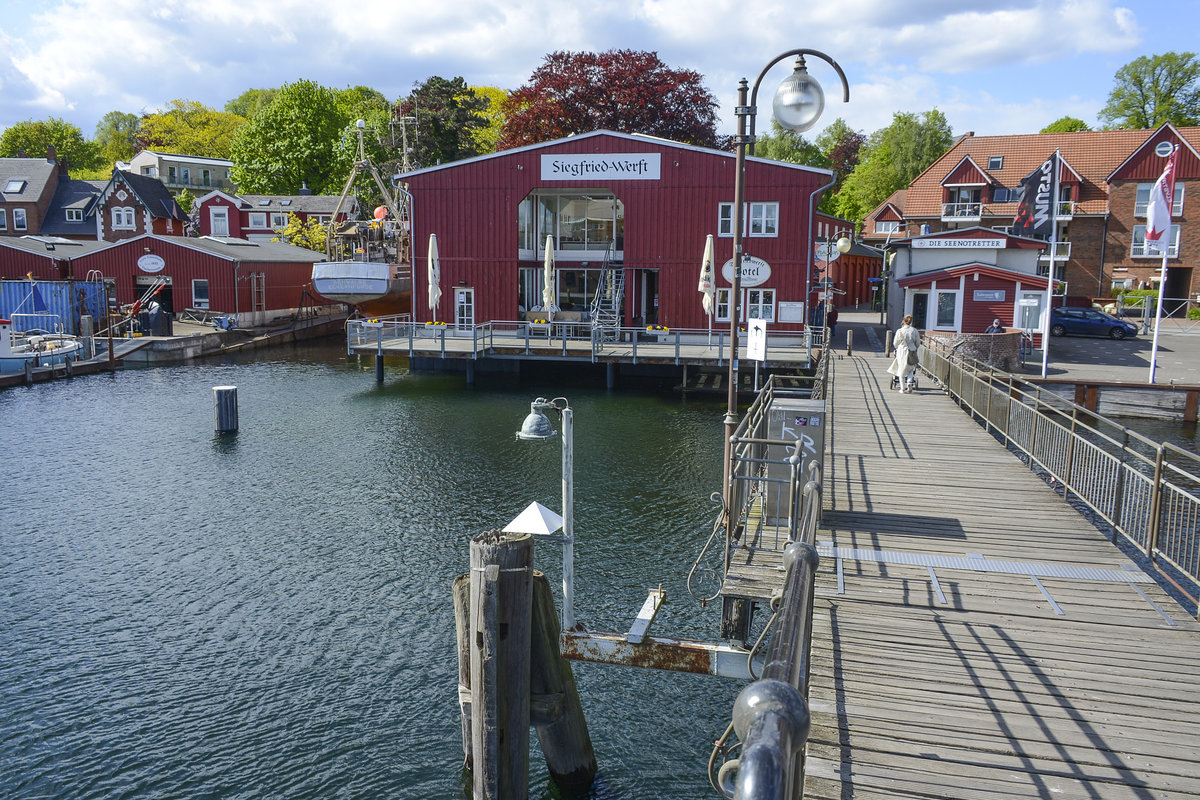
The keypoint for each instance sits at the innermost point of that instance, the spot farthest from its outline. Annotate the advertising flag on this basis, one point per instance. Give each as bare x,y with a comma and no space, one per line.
1035,214
1158,211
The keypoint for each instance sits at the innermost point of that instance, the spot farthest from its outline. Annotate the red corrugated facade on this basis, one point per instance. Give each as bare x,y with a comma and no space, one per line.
282,285
472,206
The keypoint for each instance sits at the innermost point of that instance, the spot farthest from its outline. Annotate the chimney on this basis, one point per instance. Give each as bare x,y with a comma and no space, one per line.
51,154
304,190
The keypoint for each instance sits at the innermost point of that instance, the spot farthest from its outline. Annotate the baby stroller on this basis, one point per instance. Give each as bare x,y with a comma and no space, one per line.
896,382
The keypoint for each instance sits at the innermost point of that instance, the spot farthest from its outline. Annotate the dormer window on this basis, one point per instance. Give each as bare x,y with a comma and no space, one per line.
74,215
995,162
15,186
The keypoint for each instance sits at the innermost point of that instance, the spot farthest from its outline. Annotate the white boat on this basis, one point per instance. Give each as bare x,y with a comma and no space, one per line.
35,346
369,262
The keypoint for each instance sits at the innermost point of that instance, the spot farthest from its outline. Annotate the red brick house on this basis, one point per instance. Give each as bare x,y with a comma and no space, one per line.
133,205
1104,183
27,186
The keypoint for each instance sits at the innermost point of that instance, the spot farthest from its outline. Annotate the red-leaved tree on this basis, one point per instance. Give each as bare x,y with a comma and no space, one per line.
628,91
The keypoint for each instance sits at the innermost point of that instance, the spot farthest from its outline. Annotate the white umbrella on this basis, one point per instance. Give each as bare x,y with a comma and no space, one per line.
548,300
435,276
707,285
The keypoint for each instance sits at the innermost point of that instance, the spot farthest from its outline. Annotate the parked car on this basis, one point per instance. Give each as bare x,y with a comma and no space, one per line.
1089,322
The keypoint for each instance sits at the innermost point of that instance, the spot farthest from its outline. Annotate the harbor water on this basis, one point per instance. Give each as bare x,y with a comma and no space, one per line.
267,614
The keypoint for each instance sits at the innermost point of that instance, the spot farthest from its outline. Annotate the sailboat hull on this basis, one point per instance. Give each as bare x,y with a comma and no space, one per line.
375,289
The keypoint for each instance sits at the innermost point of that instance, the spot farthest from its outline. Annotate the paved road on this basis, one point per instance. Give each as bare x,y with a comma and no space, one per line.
1071,356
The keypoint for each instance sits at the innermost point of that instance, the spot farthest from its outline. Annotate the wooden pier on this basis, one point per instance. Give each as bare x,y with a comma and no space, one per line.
973,635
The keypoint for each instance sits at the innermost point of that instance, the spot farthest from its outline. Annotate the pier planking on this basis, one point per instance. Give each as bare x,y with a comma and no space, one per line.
991,693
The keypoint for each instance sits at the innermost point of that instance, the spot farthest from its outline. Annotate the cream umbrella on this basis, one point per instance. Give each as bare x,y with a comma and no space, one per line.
435,276
549,302
707,286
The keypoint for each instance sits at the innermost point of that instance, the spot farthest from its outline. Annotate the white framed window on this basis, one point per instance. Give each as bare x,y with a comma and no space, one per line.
19,220
995,162
3,219
122,218
1143,200
258,219
1140,250
199,293
762,219
218,221
187,175
279,220
757,303
170,175
206,177
74,215
887,226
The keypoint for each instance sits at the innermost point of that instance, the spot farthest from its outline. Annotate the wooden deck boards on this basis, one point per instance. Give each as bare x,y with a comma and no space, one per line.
991,693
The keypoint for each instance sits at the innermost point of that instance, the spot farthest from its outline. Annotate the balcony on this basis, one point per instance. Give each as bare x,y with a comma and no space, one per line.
179,182
1062,251
961,212
1066,209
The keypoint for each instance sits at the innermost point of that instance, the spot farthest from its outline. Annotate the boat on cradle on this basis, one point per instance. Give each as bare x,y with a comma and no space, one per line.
35,346
369,262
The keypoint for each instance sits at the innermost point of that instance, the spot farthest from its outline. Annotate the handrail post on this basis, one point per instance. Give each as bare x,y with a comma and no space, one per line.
1070,455
1152,528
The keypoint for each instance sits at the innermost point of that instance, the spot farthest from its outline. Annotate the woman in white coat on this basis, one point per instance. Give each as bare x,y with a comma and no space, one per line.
905,342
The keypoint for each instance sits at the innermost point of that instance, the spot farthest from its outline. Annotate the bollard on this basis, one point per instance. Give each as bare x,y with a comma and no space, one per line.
225,409
379,367
850,342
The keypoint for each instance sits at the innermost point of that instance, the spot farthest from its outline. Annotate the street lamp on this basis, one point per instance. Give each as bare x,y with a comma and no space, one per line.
797,106
538,428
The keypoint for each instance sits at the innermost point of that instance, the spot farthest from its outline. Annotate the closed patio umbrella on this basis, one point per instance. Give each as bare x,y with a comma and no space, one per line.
435,276
707,286
549,302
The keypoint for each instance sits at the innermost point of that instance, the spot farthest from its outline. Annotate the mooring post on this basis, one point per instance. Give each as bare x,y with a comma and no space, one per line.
849,341
462,631
556,711
225,409
501,602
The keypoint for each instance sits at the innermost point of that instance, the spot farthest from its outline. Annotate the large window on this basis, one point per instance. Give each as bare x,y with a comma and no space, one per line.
1029,310
1143,200
887,226
19,222
762,219
757,303
583,225
574,288
3,219
279,221
1141,250
258,219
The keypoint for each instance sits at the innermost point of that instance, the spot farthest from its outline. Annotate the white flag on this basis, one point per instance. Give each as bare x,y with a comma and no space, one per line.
1158,212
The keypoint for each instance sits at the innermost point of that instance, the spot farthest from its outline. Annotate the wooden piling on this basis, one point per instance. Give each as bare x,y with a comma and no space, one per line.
225,408
462,630
501,597
556,711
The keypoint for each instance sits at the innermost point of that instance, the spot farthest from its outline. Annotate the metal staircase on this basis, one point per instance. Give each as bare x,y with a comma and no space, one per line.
606,304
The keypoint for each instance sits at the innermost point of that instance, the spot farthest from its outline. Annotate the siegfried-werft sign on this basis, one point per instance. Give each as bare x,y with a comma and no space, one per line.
608,166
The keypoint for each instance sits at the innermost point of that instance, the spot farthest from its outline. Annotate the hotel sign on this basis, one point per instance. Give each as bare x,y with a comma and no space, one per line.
607,166
936,244
755,271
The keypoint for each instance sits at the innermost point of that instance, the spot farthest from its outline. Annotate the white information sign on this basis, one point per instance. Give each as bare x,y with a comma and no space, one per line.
151,263
755,271
940,244
607,166
756,339
791,311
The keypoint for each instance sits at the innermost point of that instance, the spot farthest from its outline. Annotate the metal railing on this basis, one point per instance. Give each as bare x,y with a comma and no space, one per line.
1147,492
771,716
958,210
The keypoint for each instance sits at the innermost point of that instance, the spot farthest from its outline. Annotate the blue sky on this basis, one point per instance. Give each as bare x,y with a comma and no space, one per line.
988,69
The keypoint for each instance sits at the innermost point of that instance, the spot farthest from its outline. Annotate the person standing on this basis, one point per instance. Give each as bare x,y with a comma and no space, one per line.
995,327
904,365
831,316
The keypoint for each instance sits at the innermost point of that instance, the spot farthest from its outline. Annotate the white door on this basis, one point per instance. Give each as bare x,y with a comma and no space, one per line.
218,219
464,308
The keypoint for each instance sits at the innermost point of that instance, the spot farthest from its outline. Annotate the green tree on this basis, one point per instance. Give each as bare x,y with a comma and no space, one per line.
449,114
891,158
487,137
1065,125
32,138
784,145
189,128
310,235
250,102
1152,90
186,200
293,142
116,136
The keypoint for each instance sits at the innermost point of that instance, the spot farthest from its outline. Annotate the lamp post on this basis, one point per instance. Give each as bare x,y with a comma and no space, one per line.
537,428
797,106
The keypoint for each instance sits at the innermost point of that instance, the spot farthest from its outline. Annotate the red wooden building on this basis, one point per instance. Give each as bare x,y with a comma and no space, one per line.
638,206
263,217
257,281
